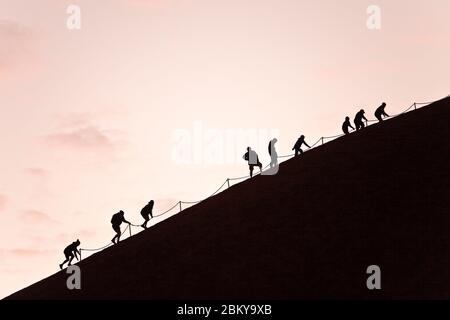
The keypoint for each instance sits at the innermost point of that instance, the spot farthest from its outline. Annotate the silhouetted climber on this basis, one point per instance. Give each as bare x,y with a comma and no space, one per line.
359,117
116,221
146,212
347,125
253,160
273,153
298,145
379,113
71,252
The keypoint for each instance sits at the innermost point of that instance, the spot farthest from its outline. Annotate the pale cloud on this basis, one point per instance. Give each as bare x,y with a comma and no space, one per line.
87,234
427,38
3,201
17,49
79,213
37,172
27,253
24,253
87,138
79,131
12,270
69,237
164,204
37,217
62,239
74,120
151,3
36,238
9,28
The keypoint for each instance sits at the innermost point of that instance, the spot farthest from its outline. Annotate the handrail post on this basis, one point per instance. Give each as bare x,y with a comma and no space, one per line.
129,227
415,106
322,140
179,202
228,182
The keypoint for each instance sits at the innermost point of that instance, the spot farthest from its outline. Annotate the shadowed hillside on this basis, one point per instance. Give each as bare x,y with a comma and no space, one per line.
379,196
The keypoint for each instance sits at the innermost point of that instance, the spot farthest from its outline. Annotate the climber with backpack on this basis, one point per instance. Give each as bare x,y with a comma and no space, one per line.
359,117
70,252
116,221
146,212
253,160
380,113
347,125
298,144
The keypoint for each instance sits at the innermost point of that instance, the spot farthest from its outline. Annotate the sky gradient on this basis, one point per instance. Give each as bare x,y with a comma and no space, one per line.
89,116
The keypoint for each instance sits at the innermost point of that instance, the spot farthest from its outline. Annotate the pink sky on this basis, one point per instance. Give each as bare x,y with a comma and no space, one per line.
88,115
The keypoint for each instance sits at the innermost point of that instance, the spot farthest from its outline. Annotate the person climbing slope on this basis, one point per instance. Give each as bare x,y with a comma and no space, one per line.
380,113
298,145
253,160
359,117
347,125
273,153
116,221
147,212
71,252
